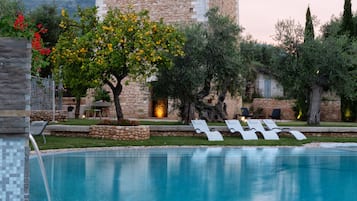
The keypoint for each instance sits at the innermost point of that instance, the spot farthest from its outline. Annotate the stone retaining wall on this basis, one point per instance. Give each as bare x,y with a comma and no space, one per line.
120,132
47,115
330,110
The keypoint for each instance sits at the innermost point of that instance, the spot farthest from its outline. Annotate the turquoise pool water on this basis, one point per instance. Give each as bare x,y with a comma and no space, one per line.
199,174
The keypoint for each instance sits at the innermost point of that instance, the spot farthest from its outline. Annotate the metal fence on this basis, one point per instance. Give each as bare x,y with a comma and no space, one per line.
42,93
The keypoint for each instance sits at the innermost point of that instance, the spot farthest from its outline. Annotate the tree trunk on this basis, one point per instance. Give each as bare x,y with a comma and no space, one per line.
118,109
116,92
187,112
78,107
314,107
215,112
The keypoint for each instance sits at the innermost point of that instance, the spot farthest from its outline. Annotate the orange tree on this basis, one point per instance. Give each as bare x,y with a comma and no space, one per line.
131,45
121,45
73,52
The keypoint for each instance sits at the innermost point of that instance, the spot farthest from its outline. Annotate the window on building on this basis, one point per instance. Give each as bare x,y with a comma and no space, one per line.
267,88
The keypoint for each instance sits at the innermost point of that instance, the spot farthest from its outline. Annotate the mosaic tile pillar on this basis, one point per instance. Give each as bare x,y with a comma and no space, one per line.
15,75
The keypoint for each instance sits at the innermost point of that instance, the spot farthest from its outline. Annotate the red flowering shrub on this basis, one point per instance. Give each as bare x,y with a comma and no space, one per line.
19,23
23,29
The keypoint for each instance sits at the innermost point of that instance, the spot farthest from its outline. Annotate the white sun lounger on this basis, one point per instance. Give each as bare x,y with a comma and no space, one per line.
235,126
272,126
201,126
256,125
37,128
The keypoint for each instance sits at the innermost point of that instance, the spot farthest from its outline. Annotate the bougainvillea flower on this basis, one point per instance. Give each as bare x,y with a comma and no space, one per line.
19,23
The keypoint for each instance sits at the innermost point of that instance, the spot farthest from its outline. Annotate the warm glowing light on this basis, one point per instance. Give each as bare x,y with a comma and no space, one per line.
243,119
160,109
348,113
83,116
300,114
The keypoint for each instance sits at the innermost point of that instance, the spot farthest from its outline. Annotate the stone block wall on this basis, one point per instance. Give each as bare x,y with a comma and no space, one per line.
269,104
120,132
227,7
330,110
47,115
135,100
173,11
169,10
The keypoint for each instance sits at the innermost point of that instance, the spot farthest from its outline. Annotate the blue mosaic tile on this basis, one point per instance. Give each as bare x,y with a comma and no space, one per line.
12,168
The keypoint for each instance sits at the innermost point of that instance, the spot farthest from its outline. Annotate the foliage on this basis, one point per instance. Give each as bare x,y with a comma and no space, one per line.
288,34
211,65
332,28
92,52
73,52
130,44
309,27
48,16
15,24
252,51
326,62
256,57
184,79
339,27
323,63
9,10
315,66
101,94
348,26
302,103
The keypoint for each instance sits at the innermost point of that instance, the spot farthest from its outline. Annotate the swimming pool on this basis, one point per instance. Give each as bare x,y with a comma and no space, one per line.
199,174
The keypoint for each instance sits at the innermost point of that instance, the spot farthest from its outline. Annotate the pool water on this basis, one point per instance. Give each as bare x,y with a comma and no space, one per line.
199,174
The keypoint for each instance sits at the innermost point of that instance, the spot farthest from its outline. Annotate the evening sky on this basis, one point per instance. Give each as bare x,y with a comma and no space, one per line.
258,17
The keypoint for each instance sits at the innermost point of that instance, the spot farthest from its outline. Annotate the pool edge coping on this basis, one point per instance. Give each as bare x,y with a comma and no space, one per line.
309,145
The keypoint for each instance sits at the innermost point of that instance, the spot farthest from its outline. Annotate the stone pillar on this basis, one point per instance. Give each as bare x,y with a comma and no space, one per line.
15,75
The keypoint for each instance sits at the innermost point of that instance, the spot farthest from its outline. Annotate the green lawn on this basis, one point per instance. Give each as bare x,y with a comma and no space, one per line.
54,142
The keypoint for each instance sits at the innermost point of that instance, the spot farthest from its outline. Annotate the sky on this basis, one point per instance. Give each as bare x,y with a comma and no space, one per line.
258,17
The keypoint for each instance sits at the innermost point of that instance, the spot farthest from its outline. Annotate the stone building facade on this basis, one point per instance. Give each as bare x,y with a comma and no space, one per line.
174,11
135,98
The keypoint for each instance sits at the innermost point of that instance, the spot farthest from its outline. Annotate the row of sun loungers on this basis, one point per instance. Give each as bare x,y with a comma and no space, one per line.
255,126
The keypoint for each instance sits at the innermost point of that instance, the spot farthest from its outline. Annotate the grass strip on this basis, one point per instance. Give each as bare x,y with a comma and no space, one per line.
54,142
88,122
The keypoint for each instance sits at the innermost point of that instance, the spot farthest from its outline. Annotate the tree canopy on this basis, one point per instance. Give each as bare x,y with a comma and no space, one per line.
347,25
315,66
73,52
48,16
122,45
309,33
211,66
